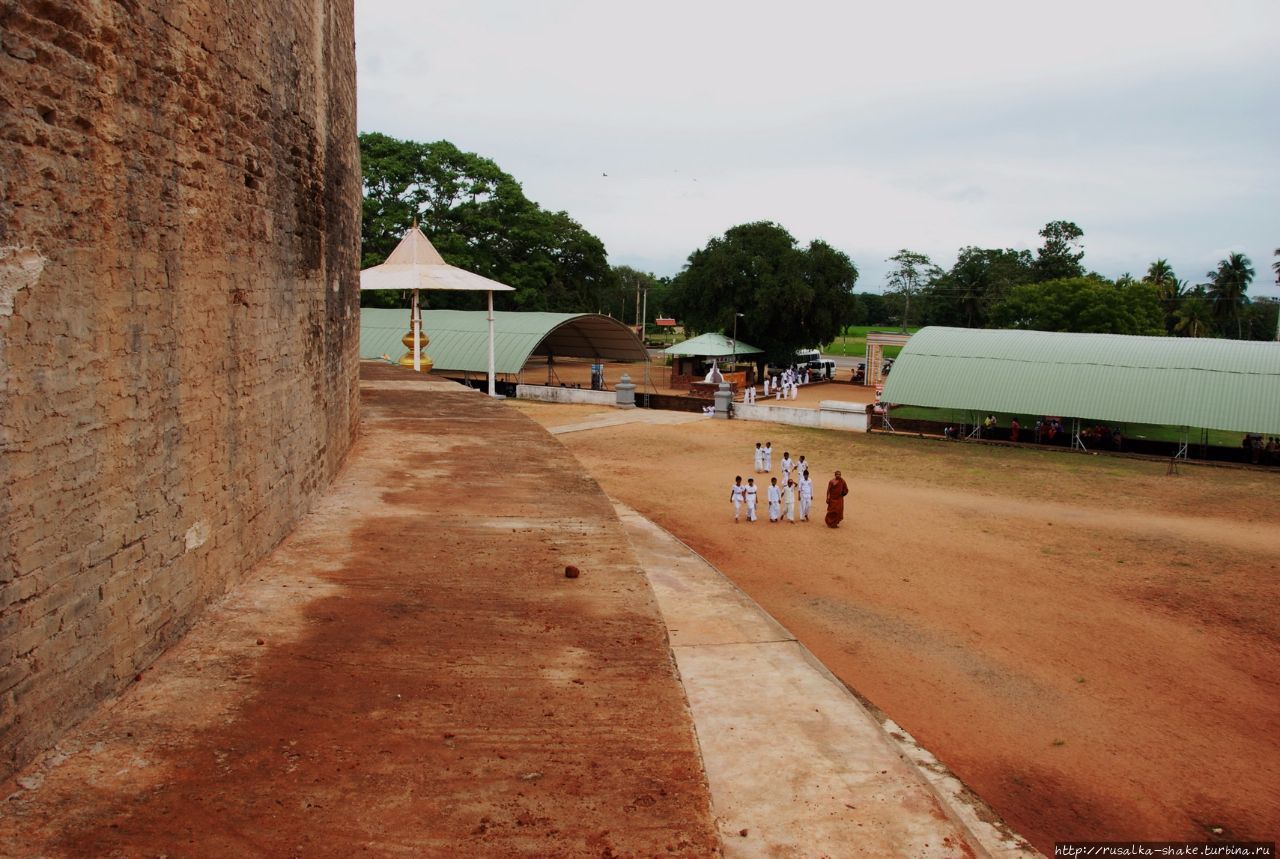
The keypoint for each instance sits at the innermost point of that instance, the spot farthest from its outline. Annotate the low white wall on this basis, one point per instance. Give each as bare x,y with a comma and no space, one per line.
549,394
839,415
830,414
776,414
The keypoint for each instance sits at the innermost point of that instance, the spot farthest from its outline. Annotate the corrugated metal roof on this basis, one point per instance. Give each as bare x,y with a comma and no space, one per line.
1179,381
460,338
712,346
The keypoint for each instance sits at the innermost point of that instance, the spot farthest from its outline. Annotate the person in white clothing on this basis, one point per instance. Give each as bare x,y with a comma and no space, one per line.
751,499
737,494
766,386
768,456
801,467
777,389
795,391
775,500
789,501
806,494
759,458
787,465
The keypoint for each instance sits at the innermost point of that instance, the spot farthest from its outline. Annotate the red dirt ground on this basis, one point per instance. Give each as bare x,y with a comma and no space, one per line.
410,674
1091,645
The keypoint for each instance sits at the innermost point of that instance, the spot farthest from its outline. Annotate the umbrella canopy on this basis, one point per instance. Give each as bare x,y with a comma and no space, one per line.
415,264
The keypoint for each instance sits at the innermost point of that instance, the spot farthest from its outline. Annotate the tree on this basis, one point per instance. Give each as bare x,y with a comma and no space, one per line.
913,271
1194,313
1229,287
479,219
1160,275
1275,266
1084,304
790,297
980,277
1060,255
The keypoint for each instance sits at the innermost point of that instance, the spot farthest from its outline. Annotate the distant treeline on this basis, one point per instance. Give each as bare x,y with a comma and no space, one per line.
779,293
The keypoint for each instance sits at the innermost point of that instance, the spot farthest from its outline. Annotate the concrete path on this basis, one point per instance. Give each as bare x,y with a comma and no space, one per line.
797,766
618,417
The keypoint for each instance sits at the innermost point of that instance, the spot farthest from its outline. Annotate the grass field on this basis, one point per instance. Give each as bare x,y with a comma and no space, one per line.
853,342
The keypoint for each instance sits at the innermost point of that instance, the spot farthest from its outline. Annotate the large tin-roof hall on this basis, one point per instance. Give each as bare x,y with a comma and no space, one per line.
1229,385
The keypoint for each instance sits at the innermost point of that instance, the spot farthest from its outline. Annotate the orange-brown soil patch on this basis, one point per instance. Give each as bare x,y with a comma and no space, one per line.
410,674
1091,644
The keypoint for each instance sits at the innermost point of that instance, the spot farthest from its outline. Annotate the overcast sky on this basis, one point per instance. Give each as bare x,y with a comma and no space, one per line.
1155,126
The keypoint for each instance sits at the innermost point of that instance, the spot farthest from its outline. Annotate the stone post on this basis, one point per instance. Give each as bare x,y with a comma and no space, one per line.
626,392
724,396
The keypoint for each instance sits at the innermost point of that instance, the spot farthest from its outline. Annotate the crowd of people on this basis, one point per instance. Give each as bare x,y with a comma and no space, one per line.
784,385
1261,451
791,500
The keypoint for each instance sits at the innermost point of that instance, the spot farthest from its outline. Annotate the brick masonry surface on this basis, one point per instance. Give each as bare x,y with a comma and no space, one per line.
179,239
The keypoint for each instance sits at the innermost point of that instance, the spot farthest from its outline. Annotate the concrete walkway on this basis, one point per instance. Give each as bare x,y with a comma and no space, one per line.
617,417
797,766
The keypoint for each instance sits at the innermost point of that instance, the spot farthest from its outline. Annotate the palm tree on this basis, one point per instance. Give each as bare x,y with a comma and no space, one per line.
1194,314
1275,266
1229,284
1168,287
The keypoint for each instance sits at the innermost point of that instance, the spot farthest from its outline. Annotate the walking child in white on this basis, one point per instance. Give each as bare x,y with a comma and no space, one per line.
759,458
737,495
806,494
775,500
768,456
789,501
787,465
766,386
801,466
751,499
795,391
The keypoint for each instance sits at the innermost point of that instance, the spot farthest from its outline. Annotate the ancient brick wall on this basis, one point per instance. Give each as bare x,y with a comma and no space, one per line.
179,237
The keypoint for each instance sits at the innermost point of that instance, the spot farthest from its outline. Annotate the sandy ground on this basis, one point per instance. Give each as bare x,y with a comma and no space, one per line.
409,674
1090,644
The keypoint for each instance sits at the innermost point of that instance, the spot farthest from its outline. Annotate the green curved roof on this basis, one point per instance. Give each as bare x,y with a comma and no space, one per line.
460,338
1229,385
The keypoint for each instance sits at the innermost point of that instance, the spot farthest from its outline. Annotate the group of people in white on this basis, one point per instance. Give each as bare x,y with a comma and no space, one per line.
795,491
785,386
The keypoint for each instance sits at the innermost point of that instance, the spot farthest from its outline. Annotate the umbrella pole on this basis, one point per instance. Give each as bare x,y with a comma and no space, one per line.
417,332
492,392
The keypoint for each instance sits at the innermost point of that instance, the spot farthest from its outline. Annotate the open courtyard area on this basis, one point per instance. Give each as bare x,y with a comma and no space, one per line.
1090,643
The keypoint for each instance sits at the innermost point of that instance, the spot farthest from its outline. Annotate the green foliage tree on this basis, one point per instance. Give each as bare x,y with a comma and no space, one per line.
479,219
1194,316
1259,318
1161,276
1082,304
981,277
911,272
1059,257
790,297
1229,288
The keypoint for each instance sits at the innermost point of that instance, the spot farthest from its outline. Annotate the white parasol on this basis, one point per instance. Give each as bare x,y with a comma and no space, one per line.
415,265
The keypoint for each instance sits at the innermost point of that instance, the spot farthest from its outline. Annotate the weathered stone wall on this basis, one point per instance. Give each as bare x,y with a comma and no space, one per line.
179,237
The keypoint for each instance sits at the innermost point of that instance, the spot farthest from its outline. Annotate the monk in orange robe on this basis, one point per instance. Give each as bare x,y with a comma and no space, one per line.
837,489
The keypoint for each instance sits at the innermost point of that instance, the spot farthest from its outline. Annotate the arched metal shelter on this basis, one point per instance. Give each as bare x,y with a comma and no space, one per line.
1188,382
459,338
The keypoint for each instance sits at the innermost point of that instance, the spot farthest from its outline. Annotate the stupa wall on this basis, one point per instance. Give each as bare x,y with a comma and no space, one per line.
179,247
